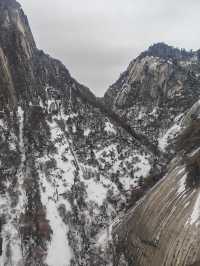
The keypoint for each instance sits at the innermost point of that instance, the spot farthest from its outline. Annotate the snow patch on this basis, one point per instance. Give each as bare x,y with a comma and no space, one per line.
59,252
9,233
87,132
11,240
170,134
53,186
74,128
194,219
143,166
1,123
182,184
21,134
109,128
96,192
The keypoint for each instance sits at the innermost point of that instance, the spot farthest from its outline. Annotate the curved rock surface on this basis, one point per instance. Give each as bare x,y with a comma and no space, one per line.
163,229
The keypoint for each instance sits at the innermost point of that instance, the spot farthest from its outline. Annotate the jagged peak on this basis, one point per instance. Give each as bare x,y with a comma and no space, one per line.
166,51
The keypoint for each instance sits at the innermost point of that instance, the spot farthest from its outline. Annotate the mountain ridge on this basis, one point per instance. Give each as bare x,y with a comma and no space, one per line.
63,163
70,164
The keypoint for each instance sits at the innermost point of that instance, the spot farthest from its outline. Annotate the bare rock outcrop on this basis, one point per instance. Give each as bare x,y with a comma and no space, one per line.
163,229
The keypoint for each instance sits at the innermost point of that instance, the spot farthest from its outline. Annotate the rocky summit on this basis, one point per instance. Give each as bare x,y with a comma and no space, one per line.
72,166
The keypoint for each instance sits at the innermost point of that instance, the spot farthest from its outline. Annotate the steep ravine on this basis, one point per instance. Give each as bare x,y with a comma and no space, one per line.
69,165
66,169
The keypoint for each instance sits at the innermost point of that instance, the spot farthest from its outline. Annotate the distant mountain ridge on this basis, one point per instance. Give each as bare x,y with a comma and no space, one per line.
165,51
163,81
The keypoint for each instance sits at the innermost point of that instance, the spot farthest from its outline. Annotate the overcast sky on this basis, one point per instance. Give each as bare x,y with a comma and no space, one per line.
96,39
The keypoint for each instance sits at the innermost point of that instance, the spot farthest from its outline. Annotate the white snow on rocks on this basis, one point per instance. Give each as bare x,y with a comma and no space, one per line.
182,184
1,123
12,241
96,191
59,252
53,186
105,237
195,217
10,234
10,231
87,132
143,167
22,195
164,140
171,133
21,134
109,128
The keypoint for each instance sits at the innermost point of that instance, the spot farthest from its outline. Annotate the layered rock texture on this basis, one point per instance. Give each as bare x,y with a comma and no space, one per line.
156,89
163,228
69,165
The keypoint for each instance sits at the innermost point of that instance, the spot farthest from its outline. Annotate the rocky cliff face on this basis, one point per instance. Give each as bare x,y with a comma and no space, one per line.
163,228
156,89
68,164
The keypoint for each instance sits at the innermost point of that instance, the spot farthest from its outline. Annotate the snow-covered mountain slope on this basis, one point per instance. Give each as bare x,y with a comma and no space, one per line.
156,89
68,166
65,176
163,228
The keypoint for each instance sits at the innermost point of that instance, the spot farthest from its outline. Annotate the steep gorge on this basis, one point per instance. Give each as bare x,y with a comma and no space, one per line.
69,165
